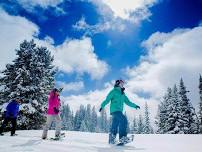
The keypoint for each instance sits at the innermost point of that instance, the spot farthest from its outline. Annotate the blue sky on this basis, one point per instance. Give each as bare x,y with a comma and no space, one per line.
116,35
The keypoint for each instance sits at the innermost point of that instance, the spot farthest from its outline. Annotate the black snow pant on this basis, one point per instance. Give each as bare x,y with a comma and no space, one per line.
6,121
119,122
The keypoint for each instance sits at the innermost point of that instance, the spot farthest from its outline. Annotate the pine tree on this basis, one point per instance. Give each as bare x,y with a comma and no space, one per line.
134,126
31,77
87,117
200,104
66,117
140,125
163,113
188,119
83,127
79,117
103,121
147,128
128,124
93,120
173,113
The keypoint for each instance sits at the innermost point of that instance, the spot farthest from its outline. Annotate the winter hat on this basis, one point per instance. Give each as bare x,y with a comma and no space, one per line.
55,90
119,83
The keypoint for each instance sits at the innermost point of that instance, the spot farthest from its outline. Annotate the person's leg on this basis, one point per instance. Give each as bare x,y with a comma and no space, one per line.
14,124
114,127
115,123
47,126
123,126
5,122
58,125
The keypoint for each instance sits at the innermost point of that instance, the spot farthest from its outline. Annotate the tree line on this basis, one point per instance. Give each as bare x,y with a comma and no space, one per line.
87,119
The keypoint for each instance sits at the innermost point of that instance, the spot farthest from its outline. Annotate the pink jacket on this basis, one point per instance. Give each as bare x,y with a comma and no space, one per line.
53,101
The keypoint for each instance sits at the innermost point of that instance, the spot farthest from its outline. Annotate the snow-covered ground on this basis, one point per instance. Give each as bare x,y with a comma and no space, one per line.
30,141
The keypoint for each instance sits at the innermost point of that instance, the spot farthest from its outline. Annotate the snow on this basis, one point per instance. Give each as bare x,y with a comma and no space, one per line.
30,140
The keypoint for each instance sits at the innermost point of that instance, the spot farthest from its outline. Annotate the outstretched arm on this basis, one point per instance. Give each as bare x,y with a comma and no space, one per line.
107,100
131,104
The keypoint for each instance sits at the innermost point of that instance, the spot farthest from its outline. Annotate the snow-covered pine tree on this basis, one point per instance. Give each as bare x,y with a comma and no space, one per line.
162,115
188,118
103,121
128,123
83,127
87,117
66,117
134,126
173,112
140,125
200,104
147,127
31,77
93,120
79,117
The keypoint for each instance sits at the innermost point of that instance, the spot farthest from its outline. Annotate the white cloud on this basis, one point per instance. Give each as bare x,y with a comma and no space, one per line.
72,86
170,57
134,11
29,4
13,30
78,56
116,15
113,24
71,56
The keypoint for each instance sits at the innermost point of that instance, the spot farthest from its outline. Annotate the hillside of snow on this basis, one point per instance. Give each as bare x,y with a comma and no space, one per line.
30,141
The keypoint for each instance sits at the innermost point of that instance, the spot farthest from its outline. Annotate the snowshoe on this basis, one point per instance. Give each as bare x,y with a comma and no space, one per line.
112,138
14,134
125,140
58,137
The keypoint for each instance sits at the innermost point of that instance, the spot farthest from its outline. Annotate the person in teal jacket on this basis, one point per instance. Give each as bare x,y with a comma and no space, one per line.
117,99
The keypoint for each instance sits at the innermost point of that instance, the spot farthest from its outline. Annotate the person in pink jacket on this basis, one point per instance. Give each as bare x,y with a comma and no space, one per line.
53,113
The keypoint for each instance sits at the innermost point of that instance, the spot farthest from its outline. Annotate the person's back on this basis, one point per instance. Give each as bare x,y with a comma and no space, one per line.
12,109
117,98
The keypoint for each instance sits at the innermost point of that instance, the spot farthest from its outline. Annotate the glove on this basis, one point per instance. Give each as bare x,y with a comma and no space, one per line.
56,110
137,107
100,109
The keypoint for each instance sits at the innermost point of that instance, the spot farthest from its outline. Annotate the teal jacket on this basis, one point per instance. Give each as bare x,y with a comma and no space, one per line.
117,99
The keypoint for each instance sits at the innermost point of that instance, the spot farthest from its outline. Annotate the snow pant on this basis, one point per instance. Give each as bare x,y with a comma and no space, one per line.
5,123
50,119
119,122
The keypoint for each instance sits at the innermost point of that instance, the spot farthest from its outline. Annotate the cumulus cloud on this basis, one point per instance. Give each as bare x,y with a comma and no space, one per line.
13,29
134,11
73,56
170,57
79,56
116,15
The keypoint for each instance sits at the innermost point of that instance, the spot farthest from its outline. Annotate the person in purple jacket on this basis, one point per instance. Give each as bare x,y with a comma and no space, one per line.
53,114
12,110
